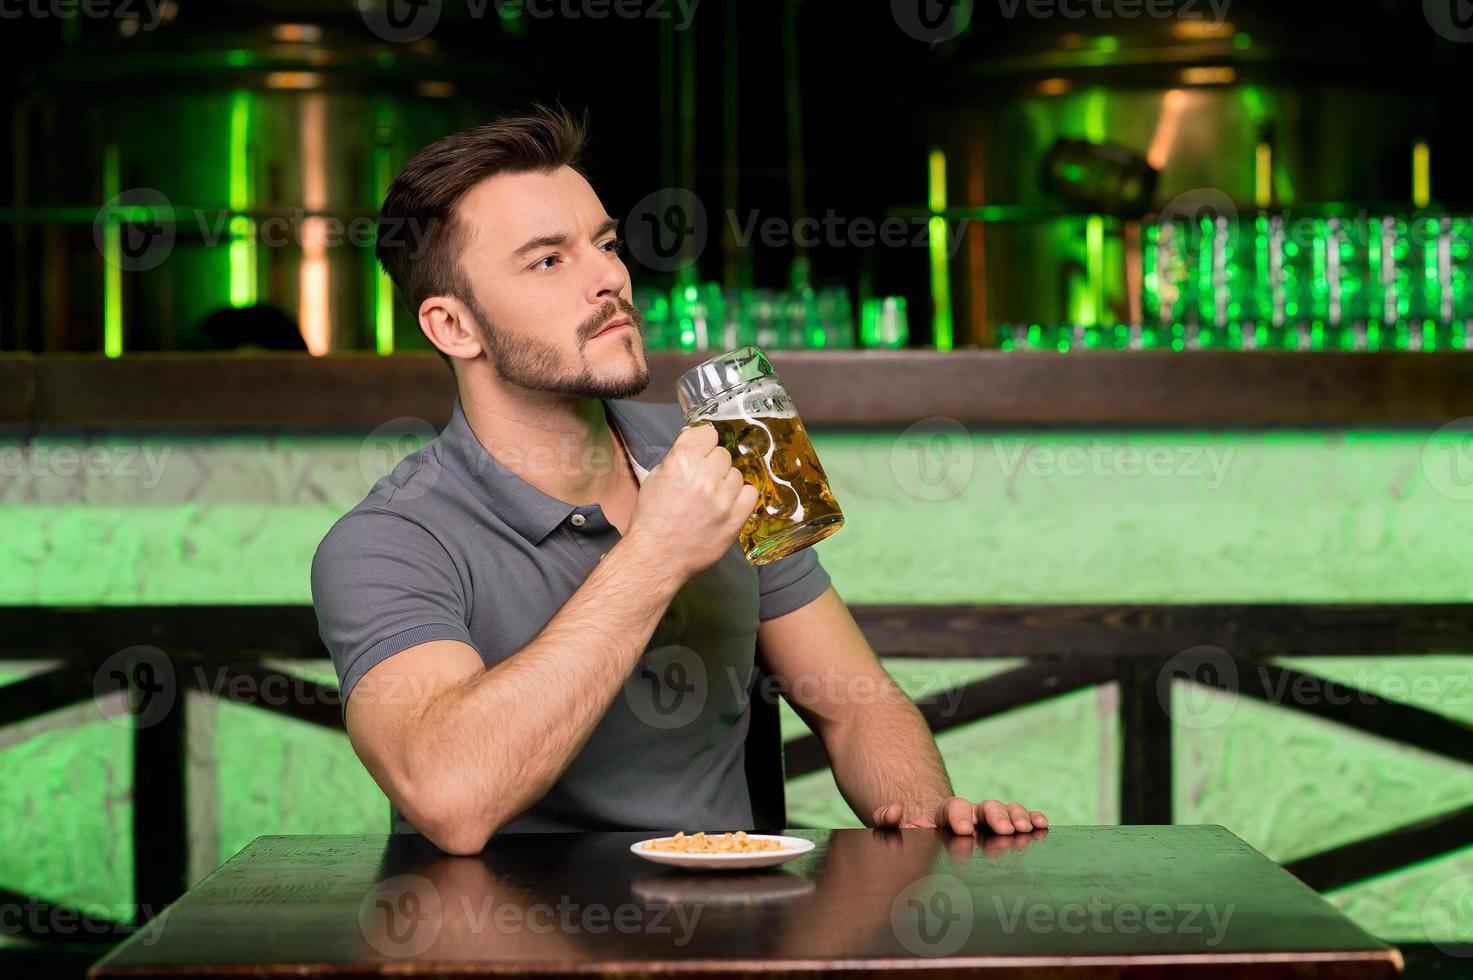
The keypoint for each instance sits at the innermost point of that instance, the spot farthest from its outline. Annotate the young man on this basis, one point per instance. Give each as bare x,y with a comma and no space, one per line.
541,621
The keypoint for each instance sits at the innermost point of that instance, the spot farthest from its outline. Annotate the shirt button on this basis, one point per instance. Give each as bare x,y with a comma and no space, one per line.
579,520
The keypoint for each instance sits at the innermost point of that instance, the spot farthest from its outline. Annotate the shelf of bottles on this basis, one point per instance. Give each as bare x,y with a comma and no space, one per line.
1356,283
707,317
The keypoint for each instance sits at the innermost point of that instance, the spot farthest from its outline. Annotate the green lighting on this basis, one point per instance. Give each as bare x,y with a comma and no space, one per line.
1108,43
242,228
1421,174
941,325
1095,106
112,284
383,175
1242,41
1253,102
1263,175
1094,246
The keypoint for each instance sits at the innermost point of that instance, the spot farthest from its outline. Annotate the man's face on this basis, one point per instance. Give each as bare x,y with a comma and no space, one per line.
548,286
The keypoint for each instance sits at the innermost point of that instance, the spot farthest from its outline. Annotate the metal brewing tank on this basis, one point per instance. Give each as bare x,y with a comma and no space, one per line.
230,158
1337,104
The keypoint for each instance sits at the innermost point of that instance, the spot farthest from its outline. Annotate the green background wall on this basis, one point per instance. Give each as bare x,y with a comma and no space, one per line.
934,515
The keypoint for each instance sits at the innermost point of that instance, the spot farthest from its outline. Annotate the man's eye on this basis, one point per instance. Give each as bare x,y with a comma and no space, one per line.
547,258
614,246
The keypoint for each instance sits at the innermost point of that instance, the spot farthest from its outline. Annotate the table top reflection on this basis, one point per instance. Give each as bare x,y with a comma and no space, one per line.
1125,901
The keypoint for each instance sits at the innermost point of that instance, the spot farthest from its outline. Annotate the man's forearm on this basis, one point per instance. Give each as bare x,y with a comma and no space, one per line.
495,743
885,753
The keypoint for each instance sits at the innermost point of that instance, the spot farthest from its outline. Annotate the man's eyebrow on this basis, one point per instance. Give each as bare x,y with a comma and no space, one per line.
560,238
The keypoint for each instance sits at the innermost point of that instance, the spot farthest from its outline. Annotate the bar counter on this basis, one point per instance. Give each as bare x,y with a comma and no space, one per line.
871,387
1075,901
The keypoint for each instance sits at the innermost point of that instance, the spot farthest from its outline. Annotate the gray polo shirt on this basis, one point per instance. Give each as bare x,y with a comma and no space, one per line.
453,545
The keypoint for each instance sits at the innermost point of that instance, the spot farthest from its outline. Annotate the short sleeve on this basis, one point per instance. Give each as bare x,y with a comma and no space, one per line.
790,583
380,585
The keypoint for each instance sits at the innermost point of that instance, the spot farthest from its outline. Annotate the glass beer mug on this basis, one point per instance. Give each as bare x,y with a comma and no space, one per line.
740,396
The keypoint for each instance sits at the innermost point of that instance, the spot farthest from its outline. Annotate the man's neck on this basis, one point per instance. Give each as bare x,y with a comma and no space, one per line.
560,444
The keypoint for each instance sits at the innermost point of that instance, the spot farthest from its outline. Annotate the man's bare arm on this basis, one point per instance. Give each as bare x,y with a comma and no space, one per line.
884,757
461,750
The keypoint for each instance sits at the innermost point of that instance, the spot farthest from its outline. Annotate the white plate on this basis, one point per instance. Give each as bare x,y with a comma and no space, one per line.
733,888
791,848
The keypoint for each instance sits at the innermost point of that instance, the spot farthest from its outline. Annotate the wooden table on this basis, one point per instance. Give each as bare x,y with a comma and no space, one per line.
1137,901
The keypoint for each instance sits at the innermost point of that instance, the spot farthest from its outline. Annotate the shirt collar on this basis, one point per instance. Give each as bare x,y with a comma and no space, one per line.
533,513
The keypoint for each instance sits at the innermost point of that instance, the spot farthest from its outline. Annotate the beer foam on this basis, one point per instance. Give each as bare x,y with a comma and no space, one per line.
761,399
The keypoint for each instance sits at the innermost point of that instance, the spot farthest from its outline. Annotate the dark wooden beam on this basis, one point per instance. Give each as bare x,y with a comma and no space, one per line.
17,390
1016,688
877,388
160,811
1385,852
1366,711
45,692
1244,630
1145,744
257,686
240,391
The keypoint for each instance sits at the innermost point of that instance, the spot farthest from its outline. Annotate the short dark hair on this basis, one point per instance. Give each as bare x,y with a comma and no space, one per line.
419,240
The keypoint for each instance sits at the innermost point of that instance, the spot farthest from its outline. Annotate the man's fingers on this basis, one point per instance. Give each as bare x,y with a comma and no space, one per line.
1039,821
956,813
695,440
745,501
1019,815
888,815
996,816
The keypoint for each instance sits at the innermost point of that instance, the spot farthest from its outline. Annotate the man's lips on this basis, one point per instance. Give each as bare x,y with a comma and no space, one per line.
614,324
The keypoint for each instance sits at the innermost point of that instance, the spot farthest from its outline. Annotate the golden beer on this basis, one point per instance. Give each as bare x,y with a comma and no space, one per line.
740,396
795,507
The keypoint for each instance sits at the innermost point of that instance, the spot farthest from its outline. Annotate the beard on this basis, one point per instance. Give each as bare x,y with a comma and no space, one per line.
534,364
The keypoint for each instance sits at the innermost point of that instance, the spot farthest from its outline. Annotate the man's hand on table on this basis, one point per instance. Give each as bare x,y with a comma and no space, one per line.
962,816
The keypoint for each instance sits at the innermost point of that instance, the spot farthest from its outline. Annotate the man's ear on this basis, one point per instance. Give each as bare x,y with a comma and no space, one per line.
449,326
